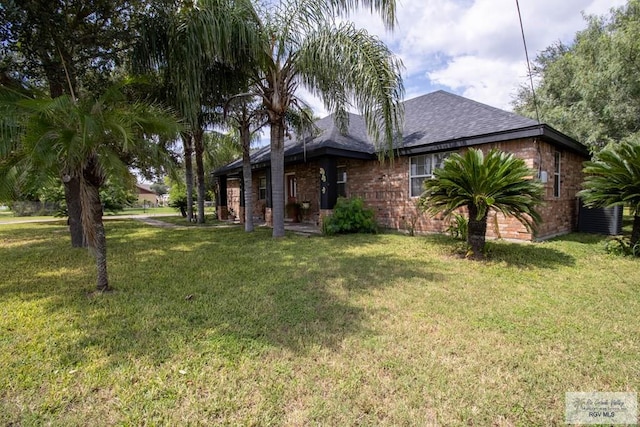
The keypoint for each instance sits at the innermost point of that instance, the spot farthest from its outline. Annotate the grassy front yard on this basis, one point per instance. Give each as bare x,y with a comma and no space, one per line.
211,325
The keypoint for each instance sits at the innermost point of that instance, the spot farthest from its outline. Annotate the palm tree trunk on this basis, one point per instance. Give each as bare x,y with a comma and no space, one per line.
92,223
635,231
277,177
245,138
476,236
199,149
188,173
74,210
99,244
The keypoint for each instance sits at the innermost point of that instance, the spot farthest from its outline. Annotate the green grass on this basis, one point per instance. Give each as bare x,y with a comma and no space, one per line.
211,325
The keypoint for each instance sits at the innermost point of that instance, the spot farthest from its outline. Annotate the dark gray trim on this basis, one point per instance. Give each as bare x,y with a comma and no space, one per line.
548,134
439,121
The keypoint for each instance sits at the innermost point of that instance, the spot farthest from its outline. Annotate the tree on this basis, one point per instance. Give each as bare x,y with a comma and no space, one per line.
80,139
497,181
246,117
613,179
303,45
589,89
114,195
197,48
68,46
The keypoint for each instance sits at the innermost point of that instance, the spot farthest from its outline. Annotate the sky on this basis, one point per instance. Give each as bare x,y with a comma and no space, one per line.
474,48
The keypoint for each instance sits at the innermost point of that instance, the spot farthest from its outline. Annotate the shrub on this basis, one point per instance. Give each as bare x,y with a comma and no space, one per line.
458,227
619,245
350,216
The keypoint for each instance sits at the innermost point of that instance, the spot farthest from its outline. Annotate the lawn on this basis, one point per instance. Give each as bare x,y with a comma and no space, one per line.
214,326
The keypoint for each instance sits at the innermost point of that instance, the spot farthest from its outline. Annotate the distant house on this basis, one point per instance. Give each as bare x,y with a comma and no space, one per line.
436,124
146,196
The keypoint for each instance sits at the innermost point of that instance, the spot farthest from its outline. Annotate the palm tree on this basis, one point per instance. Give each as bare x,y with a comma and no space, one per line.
198,48
84,140
613,179
304,45
294,42
246,117
498,181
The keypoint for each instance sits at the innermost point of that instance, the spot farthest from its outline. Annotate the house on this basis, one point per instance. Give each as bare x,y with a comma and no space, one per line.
146,196
437,124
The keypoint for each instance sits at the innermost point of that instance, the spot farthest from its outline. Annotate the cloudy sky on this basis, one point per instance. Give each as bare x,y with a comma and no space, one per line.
474,47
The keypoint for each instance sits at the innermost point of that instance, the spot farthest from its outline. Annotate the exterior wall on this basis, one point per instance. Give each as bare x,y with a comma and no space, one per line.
233,198
148,199
385,188
308,190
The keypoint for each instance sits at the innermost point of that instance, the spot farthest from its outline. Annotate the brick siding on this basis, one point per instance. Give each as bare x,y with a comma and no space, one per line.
385,188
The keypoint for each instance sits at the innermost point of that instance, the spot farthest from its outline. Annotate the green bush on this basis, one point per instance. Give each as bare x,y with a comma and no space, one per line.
619,245
458,227
350,216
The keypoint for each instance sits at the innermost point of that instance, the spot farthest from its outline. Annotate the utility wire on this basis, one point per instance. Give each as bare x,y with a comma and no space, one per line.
526,54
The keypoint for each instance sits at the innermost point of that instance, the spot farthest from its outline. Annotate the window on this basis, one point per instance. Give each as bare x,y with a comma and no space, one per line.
422,168
342,181
556,174
292,188
262,188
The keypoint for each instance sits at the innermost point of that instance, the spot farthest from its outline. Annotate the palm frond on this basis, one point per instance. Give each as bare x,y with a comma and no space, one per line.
496,181
613,177
344,65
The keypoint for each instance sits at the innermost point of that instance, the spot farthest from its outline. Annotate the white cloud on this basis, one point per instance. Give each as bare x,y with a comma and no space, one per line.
491,79
474,47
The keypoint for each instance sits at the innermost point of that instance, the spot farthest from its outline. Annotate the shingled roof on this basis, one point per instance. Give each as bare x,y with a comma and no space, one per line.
436,121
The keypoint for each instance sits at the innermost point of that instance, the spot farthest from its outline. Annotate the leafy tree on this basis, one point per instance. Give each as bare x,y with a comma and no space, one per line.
160,188
79,139
481,183
70,47
590,88
247,117
114,196
304,45
178,196
220,149
613,179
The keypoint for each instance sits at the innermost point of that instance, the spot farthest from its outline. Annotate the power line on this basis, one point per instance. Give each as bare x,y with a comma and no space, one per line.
526,53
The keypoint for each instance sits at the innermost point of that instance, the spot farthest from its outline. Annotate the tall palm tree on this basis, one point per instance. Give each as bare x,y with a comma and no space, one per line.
197,47
246,117
85,140
613,179
481,183
303,44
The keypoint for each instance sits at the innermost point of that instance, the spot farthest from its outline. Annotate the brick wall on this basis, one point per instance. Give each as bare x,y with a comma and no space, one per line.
233,197
385,188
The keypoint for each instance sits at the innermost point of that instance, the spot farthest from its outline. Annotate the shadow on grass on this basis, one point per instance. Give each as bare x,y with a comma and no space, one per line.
584,238
525,255
212,291
520,255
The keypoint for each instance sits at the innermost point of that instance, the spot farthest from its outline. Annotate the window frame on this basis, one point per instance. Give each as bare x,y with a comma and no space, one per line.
557,173
340,183
432,165
262,190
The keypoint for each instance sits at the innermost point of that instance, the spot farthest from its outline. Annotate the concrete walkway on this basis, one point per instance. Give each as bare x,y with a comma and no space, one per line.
300,228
